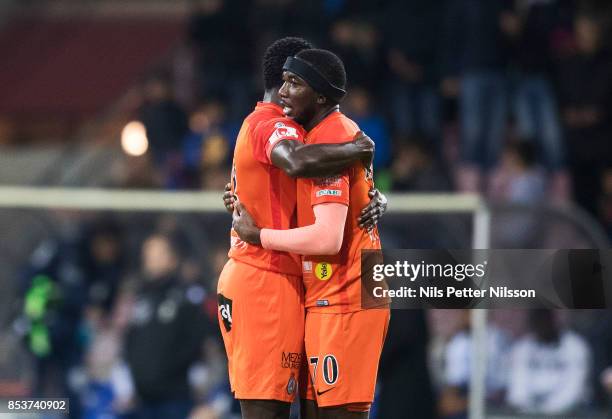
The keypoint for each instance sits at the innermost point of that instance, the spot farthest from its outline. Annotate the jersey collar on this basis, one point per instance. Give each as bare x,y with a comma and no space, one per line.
330,116
270,106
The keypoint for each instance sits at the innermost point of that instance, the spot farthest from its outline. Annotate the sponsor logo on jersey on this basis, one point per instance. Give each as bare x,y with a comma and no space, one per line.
225,311
322,303
291,384
307,267
328,181
319,393
282,132
323,271
329,192
291,360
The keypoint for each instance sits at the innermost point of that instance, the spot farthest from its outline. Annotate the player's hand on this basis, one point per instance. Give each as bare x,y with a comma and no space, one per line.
366,146
229,198
370,215
244,225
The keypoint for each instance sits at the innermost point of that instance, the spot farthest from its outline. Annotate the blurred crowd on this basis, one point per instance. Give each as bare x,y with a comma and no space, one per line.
510,98
119,313
126,326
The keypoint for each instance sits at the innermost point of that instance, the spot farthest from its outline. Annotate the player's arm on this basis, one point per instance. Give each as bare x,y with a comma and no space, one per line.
228,198
324,237
329,198
320,160
368,217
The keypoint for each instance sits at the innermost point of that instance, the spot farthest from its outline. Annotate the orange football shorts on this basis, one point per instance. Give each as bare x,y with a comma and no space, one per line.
342,352
261,315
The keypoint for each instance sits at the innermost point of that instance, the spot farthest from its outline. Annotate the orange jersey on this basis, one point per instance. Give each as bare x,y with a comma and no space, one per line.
266,191
332,283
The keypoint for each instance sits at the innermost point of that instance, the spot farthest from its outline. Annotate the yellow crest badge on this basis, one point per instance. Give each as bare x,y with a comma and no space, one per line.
323,271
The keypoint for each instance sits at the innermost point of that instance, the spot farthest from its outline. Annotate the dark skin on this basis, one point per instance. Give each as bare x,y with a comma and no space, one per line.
299,160
307,107
301,103
367,219
314,160
304,105
318,160
247,228
264,409
310,410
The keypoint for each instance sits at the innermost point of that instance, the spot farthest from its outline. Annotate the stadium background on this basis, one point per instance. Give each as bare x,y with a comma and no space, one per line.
508,99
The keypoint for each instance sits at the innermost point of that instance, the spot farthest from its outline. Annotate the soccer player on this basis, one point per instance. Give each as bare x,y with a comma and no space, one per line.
260,291
343,341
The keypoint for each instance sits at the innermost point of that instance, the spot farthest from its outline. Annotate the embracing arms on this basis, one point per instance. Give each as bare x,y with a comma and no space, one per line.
324,237
321,160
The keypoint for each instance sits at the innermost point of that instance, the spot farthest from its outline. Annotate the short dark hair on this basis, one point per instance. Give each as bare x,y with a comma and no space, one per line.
275,56
327,63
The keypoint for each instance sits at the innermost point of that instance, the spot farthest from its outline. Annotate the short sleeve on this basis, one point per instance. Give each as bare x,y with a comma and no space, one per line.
330,189
269,133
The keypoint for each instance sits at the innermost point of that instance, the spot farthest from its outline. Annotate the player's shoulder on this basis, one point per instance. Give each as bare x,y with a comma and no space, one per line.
275,123
264,112
275,129
340,121
258,115
336,127
347,122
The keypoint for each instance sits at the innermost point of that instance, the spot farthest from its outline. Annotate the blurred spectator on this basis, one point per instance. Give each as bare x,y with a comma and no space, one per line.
214,155
549,368
223,46
356,42
206,147
165,334
518,179
55,296
104,263
410,33
531,28
596,326
209,381
164,120
586,99
358,106
415,167
109,389
138,172
403,375
459,363
270,20
475,50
